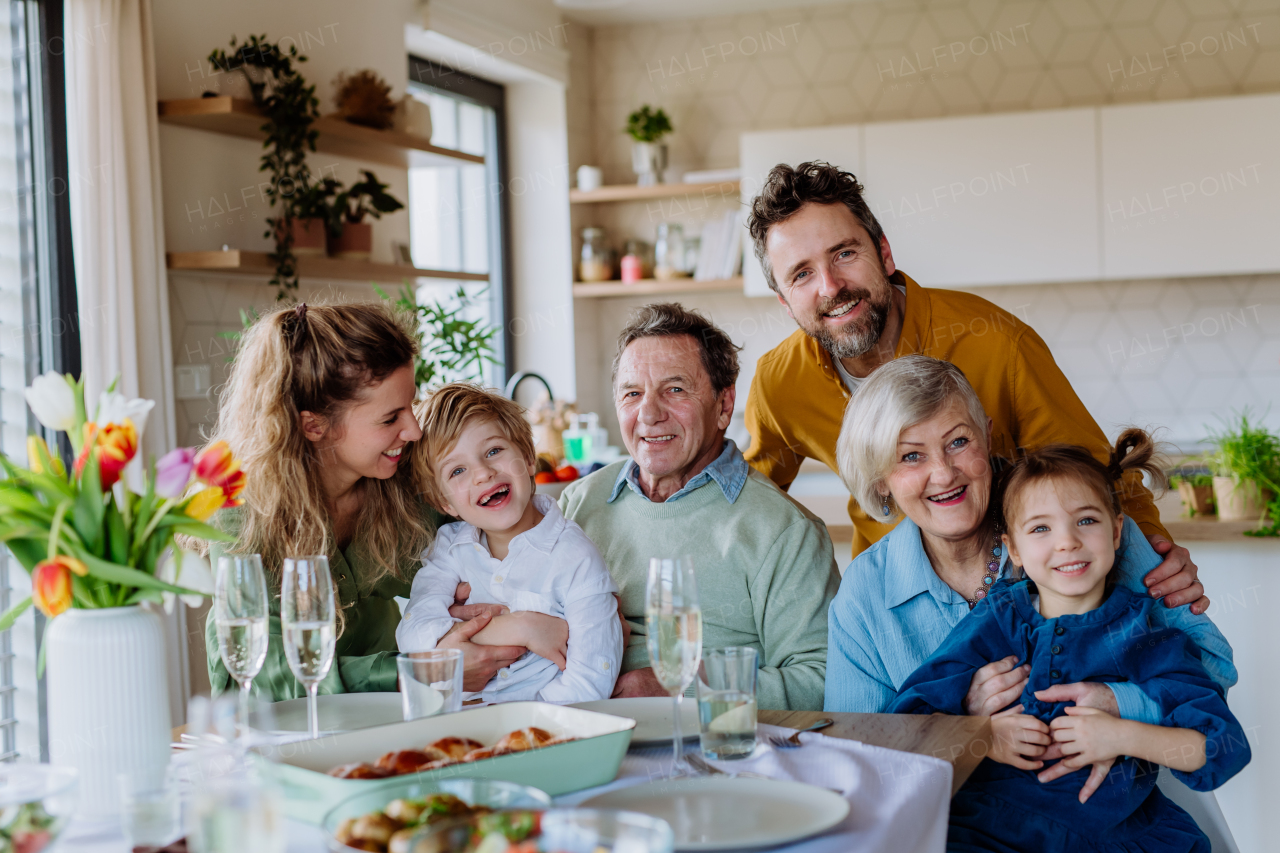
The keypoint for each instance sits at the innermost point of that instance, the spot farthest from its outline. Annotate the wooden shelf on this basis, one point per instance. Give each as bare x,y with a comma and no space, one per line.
240,117
237,262
631,192
652,287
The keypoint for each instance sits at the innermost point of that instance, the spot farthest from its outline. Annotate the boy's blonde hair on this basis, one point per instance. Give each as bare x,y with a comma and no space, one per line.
447,412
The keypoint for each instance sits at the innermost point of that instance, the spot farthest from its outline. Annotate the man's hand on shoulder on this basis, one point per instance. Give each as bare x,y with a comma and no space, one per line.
638,682
1176,579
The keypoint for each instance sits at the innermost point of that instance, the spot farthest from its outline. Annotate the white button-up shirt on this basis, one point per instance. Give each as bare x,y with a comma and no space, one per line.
553,569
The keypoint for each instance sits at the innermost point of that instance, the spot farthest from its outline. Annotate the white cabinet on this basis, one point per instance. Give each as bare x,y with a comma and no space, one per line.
1191,187
993,199
759,152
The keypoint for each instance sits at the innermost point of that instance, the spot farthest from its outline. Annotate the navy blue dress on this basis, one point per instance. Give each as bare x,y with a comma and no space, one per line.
1001,808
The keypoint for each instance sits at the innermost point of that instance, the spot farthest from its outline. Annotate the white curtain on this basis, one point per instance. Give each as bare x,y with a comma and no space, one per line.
117,228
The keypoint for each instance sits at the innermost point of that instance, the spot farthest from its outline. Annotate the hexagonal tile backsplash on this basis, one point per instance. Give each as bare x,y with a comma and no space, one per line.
1174,353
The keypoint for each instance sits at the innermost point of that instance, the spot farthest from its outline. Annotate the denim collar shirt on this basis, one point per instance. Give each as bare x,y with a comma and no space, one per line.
893,611
728,471
553,569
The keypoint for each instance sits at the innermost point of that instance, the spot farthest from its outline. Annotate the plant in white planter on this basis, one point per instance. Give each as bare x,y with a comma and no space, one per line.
1246,462
98,541
648,153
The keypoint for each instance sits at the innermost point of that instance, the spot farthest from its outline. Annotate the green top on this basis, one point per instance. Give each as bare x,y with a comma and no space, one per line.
765,569
366,650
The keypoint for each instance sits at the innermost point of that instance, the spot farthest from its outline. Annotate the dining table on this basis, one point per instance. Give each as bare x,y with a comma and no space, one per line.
962,742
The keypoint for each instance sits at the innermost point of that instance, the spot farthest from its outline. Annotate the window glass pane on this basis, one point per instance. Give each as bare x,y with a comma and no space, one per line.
444,120
471,128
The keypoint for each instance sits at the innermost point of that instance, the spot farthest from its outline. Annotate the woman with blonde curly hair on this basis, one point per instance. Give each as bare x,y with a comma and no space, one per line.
319,410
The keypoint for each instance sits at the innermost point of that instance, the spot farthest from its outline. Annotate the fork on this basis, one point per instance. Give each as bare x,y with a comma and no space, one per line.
793,742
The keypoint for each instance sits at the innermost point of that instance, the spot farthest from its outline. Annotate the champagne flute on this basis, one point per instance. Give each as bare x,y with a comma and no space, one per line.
240,615
673,622
307,616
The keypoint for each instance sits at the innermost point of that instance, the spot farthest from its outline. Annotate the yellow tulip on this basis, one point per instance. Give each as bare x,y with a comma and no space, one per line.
205,503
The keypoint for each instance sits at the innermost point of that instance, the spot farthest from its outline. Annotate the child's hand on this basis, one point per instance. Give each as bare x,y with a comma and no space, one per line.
1087,736
541,634
1018,739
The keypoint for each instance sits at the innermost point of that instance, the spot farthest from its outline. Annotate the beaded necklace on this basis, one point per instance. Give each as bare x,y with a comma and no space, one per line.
992,573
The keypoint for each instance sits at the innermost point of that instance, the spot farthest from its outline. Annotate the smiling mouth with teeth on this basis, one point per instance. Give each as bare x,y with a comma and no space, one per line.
840,311
495,496
1071,568
949,496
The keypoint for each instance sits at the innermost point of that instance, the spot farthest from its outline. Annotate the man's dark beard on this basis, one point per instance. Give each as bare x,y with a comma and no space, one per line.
858,339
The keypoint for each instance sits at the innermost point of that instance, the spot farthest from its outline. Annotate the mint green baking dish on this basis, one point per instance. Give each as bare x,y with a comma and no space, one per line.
591,759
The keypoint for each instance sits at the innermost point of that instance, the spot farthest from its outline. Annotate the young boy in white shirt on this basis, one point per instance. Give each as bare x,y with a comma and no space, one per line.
513,547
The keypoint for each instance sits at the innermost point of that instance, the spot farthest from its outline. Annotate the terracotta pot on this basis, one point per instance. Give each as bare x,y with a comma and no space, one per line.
1198,499
355,243
308,236
1239,501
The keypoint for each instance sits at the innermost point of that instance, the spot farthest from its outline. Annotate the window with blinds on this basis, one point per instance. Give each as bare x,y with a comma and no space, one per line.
36,298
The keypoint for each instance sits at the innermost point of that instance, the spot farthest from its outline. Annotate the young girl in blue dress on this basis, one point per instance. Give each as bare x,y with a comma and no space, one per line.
1072,623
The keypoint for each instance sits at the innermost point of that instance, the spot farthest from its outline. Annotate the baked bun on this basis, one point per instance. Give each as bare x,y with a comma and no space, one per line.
522,739
454,747
480,754
358,771
407,761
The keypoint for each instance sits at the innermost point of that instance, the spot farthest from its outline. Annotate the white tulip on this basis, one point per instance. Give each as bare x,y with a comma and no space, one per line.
114,407
52,401
193,573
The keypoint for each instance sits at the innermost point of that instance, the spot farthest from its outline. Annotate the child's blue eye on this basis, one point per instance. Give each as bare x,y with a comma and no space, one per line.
1040,528
456,471
492,451
1086,520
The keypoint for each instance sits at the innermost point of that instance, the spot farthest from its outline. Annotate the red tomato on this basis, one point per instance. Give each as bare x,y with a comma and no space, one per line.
567,473
545,477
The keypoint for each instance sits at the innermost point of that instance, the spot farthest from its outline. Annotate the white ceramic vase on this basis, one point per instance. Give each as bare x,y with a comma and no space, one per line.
108,700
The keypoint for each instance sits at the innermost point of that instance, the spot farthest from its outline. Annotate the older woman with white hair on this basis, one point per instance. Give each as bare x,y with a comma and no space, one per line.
914,446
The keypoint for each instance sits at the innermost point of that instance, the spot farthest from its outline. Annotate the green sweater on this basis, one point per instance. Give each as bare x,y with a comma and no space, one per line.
765,570
366,649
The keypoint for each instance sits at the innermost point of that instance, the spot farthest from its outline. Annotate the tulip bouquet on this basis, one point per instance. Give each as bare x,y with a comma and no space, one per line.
102,535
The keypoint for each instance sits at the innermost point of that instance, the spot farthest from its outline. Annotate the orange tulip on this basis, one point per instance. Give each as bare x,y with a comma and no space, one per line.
51,584
116,444
216,466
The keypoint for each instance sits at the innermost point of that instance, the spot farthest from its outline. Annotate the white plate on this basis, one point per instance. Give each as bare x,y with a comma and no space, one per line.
726,813
339,712
652,715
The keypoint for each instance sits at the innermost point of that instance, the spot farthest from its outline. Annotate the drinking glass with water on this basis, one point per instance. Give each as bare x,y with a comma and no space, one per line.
727,702
430,682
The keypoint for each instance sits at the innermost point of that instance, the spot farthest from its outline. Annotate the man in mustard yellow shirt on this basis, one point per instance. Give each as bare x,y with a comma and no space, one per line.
826,257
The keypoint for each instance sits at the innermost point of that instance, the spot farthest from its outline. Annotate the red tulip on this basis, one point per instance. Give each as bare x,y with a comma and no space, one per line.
51,583
116,443
216,466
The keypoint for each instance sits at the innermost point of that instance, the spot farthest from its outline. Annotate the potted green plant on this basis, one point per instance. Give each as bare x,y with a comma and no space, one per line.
312,211
350,237
452,348
646,127
1246,462
1196,490
290,107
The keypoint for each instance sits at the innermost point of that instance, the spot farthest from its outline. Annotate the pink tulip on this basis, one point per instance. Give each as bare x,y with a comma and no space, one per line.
173,472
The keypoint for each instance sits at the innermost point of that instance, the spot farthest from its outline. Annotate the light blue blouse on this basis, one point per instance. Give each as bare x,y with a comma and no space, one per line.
893,611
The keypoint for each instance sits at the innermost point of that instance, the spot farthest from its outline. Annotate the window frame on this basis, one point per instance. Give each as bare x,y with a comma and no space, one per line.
458,84
49,299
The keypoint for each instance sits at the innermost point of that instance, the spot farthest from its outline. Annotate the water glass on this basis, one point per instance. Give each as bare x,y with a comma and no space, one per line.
308,618
430,682
240,613
673,628
727,702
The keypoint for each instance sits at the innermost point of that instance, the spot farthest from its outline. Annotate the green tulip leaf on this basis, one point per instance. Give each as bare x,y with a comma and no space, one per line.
6,621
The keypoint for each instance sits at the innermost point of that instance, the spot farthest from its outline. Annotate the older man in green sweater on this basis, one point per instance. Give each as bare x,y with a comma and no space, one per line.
765,568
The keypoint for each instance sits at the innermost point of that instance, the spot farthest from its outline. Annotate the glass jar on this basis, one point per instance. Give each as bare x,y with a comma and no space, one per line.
669,252
595,264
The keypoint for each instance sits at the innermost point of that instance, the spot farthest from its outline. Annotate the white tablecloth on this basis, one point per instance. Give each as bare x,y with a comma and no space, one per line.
898,800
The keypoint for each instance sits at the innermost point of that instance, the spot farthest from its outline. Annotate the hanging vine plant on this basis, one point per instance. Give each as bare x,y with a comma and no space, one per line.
290,107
